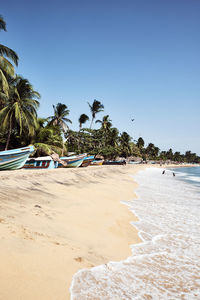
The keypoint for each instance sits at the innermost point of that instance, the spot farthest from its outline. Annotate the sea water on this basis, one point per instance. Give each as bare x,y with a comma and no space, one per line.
166,264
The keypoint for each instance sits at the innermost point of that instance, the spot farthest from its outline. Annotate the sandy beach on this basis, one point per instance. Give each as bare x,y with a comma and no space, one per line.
55,222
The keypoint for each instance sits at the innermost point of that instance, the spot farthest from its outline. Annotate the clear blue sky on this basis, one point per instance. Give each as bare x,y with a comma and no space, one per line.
140,58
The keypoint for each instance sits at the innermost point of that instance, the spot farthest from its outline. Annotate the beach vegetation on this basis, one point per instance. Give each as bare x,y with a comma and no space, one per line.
20,110
6,68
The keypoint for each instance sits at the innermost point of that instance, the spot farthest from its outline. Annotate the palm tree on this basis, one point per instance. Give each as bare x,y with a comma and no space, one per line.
169,154
140,143
20,111
105,127
59,118
95,108
6,68
82,120
152,151
105,123
113,137
125,140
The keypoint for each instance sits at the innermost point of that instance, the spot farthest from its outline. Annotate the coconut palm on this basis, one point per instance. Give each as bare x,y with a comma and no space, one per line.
47,139
152,151
82,120
113,137
95,108
125,140
6,68
59,118
105,123
20,111
140,143
105,127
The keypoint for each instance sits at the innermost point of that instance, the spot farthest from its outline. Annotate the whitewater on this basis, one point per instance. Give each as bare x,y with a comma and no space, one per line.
166,264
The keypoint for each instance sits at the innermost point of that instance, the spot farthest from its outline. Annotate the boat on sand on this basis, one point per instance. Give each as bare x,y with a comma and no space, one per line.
87,161
74,161
45,162
114,162
98,162
15,158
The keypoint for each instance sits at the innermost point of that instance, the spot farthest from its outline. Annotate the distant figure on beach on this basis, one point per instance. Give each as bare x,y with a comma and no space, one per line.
163,172
173,174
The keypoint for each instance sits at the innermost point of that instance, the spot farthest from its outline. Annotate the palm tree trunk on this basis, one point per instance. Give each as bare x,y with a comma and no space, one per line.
63,144
79,138
63,149
91,123
8,139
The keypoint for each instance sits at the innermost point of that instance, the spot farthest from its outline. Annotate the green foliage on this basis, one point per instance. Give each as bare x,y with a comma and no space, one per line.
125,140
108,152
20,110
134,150
48,139
45,149
140,143
152,151
6,68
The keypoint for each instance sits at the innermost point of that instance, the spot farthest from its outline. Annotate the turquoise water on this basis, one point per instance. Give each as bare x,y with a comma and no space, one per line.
166,264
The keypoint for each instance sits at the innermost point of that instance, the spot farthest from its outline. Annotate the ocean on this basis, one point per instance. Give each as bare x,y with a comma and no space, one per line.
166,264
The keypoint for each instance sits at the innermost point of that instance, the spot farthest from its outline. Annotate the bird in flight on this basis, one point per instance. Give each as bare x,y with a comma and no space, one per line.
132,120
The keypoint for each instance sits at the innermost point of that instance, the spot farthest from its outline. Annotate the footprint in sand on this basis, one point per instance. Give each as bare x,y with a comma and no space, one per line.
79,259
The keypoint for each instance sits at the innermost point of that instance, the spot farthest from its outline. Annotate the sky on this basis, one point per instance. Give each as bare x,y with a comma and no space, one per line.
140,58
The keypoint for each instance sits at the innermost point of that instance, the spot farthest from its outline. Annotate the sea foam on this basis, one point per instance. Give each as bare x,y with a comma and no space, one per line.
166,265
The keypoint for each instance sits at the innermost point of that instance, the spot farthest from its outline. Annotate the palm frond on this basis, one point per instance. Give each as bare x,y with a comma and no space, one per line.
3,97
3,83
42,149
9,53
18,115
6,66
4,114
7,119
2,24
67,120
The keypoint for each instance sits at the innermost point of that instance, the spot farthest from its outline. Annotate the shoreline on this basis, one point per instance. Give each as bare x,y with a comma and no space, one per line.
55,222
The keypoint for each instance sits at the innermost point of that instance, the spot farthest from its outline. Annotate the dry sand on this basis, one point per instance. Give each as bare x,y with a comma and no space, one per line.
55,222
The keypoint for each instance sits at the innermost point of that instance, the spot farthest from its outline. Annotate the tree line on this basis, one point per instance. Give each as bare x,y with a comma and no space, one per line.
20,124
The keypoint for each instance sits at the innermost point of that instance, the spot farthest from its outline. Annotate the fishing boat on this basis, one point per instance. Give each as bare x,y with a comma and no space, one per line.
87,161
114,162
45,162
134,162
97,162
15,158
74,161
